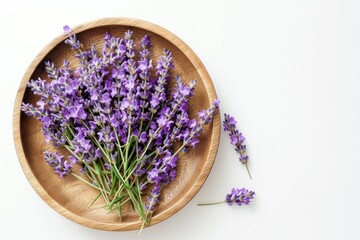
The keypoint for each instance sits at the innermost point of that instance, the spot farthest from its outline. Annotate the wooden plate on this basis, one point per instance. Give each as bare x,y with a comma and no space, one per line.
69,196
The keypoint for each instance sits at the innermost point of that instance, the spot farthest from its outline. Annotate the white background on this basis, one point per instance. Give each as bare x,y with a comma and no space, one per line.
287,70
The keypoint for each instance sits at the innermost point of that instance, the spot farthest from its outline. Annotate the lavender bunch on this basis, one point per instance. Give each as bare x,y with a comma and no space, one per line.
238,196
237,139
118,119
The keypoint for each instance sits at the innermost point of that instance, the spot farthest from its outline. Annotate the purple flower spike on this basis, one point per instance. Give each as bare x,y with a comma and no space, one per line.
72,40
154,199
239,196
56,161
145,42
237,139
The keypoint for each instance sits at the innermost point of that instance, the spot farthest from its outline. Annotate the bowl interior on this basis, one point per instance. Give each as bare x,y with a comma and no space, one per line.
71,197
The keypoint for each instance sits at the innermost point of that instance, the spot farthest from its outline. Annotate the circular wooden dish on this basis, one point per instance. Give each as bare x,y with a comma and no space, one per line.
69,196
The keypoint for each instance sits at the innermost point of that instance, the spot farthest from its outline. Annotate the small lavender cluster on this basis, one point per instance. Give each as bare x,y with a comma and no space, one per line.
239,196
118,119
237,139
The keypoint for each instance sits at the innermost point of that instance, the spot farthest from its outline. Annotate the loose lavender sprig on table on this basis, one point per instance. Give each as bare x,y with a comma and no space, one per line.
237,139
118,119
239,196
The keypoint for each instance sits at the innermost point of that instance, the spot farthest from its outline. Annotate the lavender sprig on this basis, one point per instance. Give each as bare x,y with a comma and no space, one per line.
237,139
238,196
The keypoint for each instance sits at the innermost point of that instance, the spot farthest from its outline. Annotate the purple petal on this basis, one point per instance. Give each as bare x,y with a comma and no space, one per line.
67,30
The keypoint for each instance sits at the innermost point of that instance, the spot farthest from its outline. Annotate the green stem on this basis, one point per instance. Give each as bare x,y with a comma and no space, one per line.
148,125
119,145
135,165
208,204
104,176
83,180
97,181
247,169
71,151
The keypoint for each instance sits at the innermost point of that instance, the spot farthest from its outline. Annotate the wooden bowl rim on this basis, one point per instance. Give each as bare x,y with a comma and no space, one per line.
215,136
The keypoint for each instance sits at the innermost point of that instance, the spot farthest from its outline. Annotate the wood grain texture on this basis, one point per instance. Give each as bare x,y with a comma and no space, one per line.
70,197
